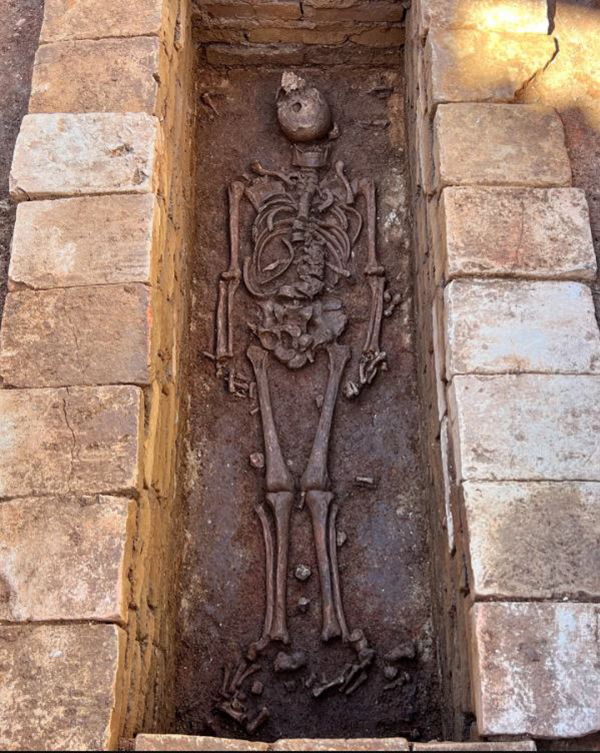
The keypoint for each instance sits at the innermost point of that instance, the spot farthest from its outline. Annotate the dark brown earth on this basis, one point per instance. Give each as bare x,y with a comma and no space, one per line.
20,22
385,562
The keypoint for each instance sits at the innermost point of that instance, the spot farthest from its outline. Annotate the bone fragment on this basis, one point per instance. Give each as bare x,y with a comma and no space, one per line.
258,721
290,662
406,650
303,572
257,460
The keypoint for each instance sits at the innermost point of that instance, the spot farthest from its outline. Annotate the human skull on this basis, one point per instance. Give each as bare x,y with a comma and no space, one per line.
303,112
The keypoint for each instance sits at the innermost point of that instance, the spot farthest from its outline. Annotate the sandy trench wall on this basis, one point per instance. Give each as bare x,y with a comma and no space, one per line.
509,346
91,369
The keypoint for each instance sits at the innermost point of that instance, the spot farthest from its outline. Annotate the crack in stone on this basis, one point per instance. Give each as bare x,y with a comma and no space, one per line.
73,450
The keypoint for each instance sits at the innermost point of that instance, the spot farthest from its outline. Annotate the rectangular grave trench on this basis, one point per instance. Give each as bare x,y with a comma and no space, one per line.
378,477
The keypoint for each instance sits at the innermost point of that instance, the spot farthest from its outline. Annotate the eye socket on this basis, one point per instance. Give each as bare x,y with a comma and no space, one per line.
296,107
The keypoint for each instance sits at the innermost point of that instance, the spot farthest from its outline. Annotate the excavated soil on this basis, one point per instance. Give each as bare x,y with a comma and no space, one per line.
385,560
20,22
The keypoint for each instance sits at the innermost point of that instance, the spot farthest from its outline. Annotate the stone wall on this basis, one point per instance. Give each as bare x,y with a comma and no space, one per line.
510,373
91,352
301,32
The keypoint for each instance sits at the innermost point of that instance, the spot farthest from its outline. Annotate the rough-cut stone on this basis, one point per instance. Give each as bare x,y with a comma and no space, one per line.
226,9
108,75
89,19
533,540
189,742
81,440
59,687
85,241
92,153
223,54
474,66
525,427
536,669
516,232
382,743
65,558
524,16
511,145
373,11
476,747
77,336
500,326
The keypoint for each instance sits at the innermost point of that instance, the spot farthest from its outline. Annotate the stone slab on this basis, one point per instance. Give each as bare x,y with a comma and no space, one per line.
93,240
536,669
58,687
90,19
92,153
478,746
382,743
190,742
77,336
107,75
82,556
79,440
533,540
516,232
510,145
526,427
474,66
506,326
524,16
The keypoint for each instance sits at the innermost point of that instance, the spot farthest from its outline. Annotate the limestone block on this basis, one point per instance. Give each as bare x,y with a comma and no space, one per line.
533,540
93,240
525,427
511,145
474,66
516,232
381,743
261,9
223,54
475,747
500,326
92,153
82,554
373,11
59,687
77,336
106,75
189,742
89,19
527,16
79,440
536,669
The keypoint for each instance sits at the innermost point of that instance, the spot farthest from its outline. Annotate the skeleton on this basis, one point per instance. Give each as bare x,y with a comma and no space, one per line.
306,226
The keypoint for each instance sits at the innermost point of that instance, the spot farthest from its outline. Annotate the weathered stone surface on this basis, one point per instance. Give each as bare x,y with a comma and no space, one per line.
226,9
526,427
59,686
533,540
382,743
85,241
501,326
65,558
511,15
514,145
223,54
80,440
536,669
108,75
189,742
89,19
93,153
516,232
479,746
474,66
373,11
77,336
